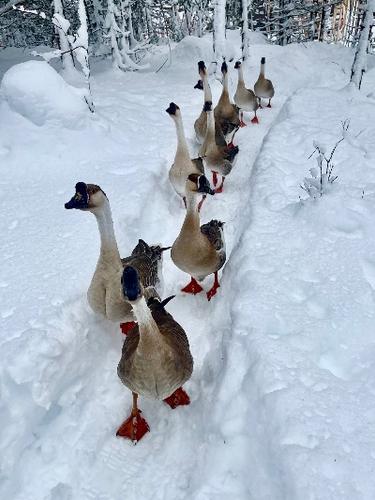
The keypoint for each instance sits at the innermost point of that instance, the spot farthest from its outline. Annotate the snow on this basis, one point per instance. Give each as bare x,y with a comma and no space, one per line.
283,384
38,93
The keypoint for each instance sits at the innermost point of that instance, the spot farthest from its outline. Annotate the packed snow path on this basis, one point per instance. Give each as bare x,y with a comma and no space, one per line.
259,425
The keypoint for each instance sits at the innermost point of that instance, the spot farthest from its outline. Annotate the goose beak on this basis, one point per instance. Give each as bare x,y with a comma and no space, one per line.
199,85
163,249
204,186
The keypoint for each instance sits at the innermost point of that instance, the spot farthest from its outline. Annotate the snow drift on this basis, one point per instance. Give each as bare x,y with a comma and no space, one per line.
37,92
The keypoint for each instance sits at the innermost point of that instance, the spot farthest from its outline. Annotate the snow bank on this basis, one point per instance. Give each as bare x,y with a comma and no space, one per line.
191,50
36,91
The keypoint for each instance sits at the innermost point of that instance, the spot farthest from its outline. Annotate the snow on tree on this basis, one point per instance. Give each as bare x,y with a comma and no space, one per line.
360,59
245,42
62,26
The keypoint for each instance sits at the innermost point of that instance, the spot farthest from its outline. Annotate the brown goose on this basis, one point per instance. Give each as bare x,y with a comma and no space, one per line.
245,98
199,250
156,359
104,294
263,87
226,113
218,156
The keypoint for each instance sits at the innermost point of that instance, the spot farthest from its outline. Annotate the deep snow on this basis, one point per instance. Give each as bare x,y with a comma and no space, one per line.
283,384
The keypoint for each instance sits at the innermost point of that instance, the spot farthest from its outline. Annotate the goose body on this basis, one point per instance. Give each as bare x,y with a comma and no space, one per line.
104,295
263,87
183,165
218,156
156,359
226,113
245,98
198,250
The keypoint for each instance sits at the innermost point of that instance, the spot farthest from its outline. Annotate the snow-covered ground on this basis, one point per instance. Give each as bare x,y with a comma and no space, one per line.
284,379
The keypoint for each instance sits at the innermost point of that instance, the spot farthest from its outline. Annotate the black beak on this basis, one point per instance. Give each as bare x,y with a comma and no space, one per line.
164,302
130,283
81,199
204,186
163,249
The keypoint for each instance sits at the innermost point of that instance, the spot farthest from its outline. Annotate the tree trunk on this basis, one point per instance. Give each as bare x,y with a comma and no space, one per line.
219,32
67,57
245,31
360,59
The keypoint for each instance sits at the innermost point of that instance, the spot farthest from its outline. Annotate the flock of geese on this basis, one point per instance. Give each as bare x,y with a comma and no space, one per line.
156,359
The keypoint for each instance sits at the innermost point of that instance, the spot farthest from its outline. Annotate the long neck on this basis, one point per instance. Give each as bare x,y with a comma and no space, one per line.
206,88
210,130
148,329
262,70
192,221
240,77
182,147
225,83
108,244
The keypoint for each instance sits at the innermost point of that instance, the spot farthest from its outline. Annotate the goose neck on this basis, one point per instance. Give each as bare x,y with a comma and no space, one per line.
181,139
148,329
206,89
108,244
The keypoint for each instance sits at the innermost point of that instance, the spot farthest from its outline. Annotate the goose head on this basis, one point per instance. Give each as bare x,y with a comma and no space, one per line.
174,111
237,65
207,106
199,184
224,68
87,197
130,283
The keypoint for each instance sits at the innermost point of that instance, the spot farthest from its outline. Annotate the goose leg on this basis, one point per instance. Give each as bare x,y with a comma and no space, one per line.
178,398
193,287
215,286
184,198
255,119
242,123
201,202
126,327
269,103
214,178
220,188
260,103
134,427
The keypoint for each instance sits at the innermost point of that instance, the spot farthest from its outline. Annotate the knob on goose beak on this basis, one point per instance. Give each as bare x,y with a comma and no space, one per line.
130,284
171,110
201,66
81,199
199,85
204,186
237,65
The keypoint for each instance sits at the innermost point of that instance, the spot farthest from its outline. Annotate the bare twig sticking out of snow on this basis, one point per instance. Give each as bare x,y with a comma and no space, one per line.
322,177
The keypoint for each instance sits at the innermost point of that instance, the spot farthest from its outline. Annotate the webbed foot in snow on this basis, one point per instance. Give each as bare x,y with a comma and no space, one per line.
242,124
193,287
134,428
214,288
255,120
178,398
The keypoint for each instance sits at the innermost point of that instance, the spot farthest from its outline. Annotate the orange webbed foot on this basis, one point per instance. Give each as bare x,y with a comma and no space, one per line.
193,287
178,398
126,327
242,124
133,428
255,120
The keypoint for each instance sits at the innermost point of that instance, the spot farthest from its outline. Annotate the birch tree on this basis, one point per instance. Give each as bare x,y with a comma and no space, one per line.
245,30
360,59
219,32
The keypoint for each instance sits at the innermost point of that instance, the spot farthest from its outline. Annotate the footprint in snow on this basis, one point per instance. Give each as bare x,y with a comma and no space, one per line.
6,313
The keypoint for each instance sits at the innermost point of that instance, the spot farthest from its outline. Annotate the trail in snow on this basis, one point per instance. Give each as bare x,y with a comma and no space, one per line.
61,398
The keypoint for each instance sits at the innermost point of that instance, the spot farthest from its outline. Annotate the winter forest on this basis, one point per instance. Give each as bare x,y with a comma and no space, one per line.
187,215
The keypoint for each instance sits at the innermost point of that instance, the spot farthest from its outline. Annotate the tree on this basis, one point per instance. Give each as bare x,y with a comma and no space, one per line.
219,32
360,59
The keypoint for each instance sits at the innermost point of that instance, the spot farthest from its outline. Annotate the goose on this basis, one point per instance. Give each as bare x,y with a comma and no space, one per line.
183,165
217,154
245,98
263,87
199,250
200,124
104,294
226,113
156,359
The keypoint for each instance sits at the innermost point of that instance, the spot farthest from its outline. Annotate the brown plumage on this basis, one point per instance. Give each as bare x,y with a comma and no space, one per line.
264,87
226,113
